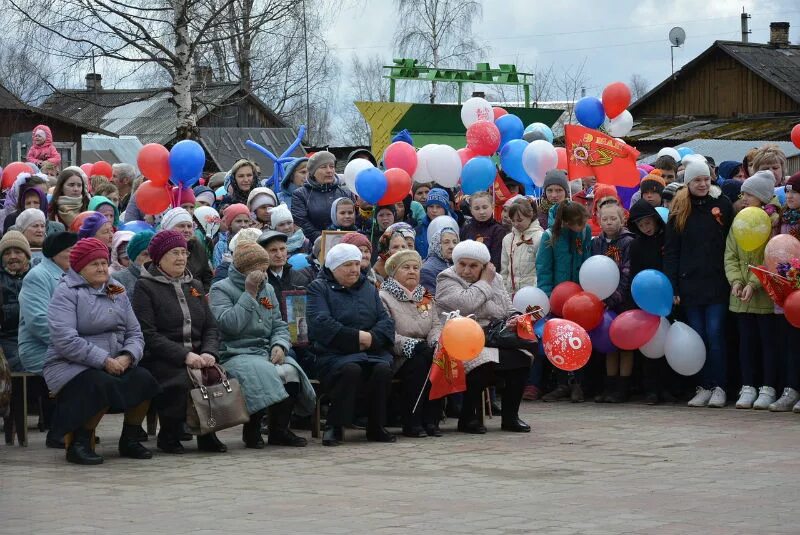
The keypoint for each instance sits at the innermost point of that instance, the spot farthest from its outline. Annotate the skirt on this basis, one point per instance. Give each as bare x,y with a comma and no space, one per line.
93,390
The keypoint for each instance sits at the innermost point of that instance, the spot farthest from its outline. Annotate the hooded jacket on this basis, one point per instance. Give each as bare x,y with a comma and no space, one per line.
98,200
646,252
311,205
46,152
286,188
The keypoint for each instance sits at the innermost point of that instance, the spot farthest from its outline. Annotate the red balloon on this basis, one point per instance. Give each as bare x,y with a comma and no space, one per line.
87,168
398,186
101,168
633,329
561,294
466,155
585,309
498,112
153,162
152,199
12,170
561,152
616,98
483,138
75,226
791,308
400,155
566,344
796,135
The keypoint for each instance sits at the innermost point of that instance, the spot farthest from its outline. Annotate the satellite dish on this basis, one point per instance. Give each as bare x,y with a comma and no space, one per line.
677,36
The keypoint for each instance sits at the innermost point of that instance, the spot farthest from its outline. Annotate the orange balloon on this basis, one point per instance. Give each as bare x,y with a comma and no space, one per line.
463,338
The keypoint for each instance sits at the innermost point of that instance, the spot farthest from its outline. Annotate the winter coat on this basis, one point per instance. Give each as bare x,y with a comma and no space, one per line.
518,260
561,261
646,252
287,188
46,152
421,237
311,206
250,328
618,249
198,264
128,277
87,326
221,250
487,301
431,267
34,299
413,322
10,286
737,262
694,260
490,233
336,314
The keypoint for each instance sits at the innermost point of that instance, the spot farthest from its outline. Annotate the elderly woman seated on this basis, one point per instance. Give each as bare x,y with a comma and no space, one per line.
397,237
352,335
472,286
411,307
179,331
255,349
444,237
95,347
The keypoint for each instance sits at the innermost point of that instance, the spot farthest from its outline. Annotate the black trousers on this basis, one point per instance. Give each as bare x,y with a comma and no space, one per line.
345,384
512,370
413,376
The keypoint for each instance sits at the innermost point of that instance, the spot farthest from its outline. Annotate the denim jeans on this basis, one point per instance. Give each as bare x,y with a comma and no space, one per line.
757,338
709,322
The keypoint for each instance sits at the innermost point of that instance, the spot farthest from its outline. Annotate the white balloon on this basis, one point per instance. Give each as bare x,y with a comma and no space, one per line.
654,349
442,222
444,166
599,275
669,151
694,158
621,125
352,169
476,109
538,158
422,175
685,350
531,296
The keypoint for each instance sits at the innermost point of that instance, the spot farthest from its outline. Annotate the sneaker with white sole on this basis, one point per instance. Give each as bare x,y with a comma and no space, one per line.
766,397
701,398
787,400
747,396
718,398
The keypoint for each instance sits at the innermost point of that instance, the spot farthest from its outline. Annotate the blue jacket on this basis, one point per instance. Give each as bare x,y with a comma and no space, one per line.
561,261
421,239
34,299
219,250
431,267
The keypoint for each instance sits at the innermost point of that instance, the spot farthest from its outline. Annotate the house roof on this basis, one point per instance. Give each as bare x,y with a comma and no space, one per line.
672,131
779,67
726,149
122,149
227,145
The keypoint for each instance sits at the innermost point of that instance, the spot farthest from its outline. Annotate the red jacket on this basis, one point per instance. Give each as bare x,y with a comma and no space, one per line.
45,152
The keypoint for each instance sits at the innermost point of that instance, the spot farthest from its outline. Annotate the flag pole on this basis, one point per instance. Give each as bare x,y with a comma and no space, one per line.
421,391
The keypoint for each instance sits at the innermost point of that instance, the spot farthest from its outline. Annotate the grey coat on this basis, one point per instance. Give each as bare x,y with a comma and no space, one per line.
128,277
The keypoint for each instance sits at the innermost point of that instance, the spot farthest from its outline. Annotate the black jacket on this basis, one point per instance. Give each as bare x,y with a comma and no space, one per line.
311,206
198,264
646,252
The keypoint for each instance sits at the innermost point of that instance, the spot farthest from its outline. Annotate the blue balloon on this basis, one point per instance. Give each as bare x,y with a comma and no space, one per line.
652,292
510,127
600,336
685,151
477,175
371,185
780,192
136,226
626,194
590,112
538,327
536,131
511,161
298,261
663,211
186,161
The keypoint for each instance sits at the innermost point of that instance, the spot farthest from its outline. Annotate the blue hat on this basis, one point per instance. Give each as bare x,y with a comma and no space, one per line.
405,136
438,196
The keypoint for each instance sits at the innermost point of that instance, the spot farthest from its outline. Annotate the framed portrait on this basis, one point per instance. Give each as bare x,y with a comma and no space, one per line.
329,239
293,308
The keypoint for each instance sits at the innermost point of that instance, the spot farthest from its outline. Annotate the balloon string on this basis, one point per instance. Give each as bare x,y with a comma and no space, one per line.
424,385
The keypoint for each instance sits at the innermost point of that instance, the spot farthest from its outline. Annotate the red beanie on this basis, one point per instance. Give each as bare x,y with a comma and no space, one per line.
231,212
357,239
182,196
87,251
163,242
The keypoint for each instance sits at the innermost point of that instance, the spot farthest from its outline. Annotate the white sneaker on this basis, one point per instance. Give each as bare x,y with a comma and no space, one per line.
701,398
718,398
766,397
747,395
787,400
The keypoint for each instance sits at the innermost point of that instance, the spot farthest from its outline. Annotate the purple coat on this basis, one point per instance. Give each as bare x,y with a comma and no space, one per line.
490,233
86,327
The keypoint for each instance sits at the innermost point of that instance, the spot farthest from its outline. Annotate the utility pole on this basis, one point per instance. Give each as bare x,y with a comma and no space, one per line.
308,100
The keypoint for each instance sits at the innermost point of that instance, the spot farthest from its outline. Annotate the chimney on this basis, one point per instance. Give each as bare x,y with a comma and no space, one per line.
203,74
94,82
779,34
479,94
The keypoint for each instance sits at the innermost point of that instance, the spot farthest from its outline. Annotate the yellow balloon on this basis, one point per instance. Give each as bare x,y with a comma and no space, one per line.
751,228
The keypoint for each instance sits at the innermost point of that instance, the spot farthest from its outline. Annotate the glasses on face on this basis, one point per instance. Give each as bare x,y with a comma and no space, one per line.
178,253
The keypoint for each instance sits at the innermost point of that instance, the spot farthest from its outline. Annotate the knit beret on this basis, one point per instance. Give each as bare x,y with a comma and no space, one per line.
28,217
14,238
91,225
794,182
401,257
473,250
86,251
246,235
340,254
695,169
761,186
357,239
280,214
163,242
261,197
175,217
439,197
232,212
556,177
249,257
60,241
318,160
139,242
182,196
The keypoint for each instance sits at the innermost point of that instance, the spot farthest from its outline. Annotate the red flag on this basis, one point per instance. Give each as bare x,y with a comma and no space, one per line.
501,195
526,321
593,153
447,375
776,286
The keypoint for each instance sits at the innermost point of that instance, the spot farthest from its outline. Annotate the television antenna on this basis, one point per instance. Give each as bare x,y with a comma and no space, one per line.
677,36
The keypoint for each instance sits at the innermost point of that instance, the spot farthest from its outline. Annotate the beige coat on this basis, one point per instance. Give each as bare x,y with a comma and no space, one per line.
518,260
487,302
410,323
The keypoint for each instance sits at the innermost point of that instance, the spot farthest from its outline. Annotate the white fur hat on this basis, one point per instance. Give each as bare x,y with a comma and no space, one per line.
471,249
341,253
28,217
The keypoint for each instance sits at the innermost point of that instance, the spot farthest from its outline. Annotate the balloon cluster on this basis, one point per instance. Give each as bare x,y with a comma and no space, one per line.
279,162
612,110
182,165
383,187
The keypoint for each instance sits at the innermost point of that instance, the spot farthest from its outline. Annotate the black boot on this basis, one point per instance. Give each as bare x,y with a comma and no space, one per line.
80,451
169,436
380,434
279,434
512,397
210,443
129,445
609,385
333,435
251,431
620,394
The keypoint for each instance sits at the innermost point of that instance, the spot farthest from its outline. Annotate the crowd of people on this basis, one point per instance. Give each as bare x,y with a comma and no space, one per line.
110,305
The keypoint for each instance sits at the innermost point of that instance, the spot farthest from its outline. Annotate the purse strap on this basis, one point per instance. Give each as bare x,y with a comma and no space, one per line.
196,375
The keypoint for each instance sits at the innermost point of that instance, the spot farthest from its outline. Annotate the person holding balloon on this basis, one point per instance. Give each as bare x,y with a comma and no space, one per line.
183,198
694,254
520,246
311,204
70,197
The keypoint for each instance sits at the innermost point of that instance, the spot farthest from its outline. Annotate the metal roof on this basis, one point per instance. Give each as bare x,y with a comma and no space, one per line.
726,149
680,129
123,149
227,145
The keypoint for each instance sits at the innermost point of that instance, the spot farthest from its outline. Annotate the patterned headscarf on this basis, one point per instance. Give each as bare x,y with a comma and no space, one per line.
402,229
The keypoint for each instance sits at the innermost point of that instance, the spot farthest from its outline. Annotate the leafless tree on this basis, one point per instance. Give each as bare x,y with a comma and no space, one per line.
23,70
639,86
570,84
366,84
438,32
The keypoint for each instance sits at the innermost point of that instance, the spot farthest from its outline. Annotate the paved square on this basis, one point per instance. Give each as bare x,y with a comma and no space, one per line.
585,469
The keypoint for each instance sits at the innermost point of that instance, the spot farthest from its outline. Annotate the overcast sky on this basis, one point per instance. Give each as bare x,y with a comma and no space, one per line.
618,38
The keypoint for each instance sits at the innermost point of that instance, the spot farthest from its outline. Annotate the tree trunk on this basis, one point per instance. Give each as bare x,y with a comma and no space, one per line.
183,74
245,54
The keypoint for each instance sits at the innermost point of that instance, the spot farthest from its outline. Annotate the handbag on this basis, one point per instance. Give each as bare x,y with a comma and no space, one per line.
215,403
501,337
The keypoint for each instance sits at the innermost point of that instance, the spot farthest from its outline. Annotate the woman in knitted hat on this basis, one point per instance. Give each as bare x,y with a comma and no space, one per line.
15,263
363,244
183,198
243,236
93,358
411,307
311,204
179,331
96,225
256,349
261,201
70,197
203,196
179,220
352,335
32,224
137,254
472,286
395,238
234,218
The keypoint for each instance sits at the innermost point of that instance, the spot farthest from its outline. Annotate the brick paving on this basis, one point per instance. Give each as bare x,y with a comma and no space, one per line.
585,469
